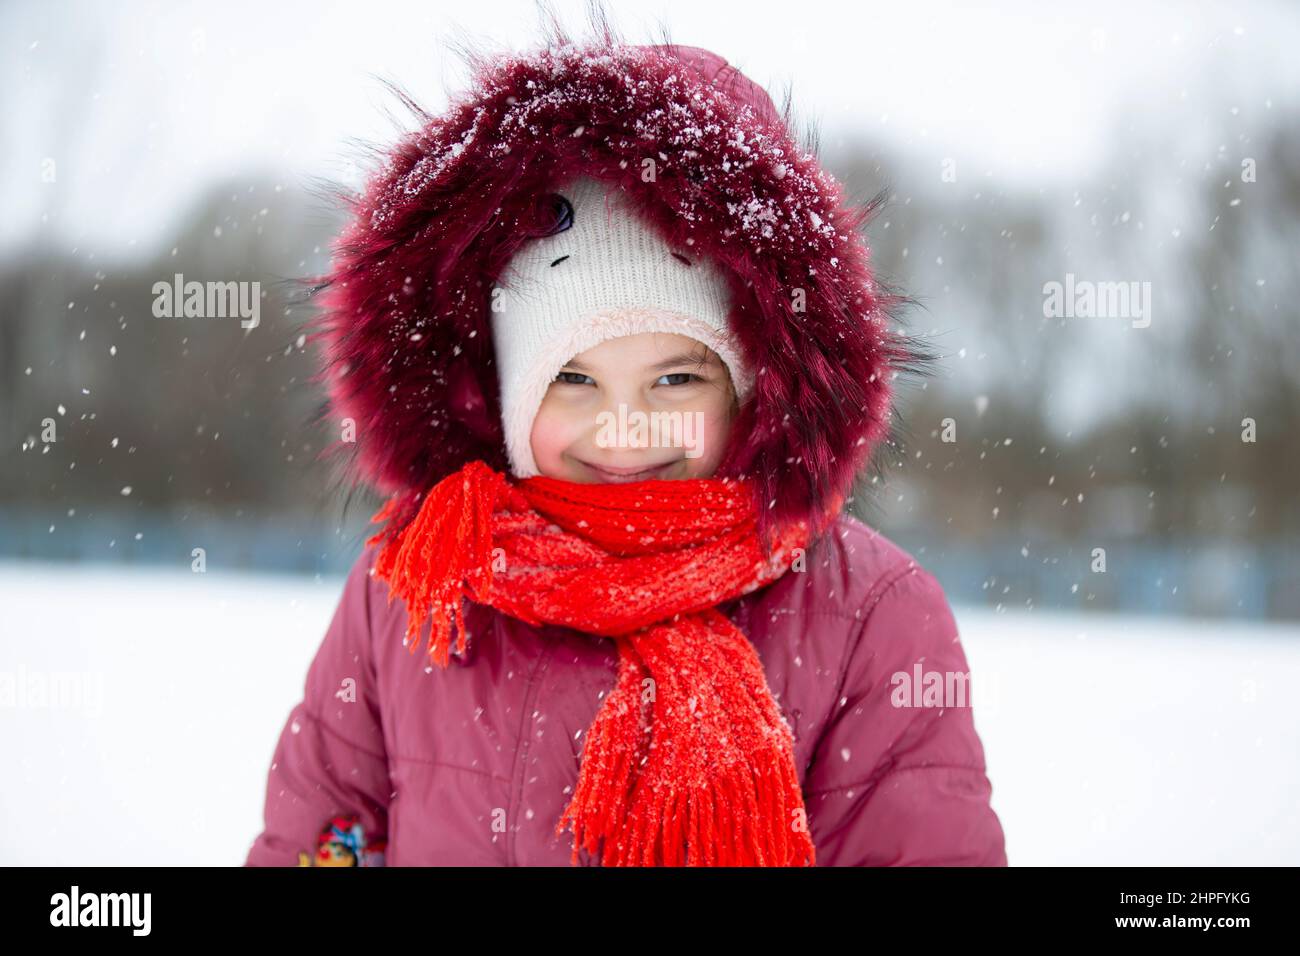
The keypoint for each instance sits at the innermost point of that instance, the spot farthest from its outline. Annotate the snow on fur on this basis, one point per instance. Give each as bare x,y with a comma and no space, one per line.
405,321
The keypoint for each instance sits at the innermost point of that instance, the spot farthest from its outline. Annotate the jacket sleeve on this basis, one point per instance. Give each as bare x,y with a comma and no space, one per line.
892,783
330,765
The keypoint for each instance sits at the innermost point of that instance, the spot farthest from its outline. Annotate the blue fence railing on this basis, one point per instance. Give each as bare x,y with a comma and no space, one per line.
1193,576
1204,577
262,543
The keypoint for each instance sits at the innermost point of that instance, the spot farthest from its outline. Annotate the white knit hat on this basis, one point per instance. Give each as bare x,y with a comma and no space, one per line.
604,276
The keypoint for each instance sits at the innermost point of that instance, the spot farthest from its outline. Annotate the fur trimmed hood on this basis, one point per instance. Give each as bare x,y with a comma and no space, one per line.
702,154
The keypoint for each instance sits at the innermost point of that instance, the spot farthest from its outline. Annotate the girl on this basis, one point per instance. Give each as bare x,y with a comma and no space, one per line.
608,340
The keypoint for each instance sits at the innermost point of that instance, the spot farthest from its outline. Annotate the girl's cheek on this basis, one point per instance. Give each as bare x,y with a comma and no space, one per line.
717,430
555,428
544,433
706,435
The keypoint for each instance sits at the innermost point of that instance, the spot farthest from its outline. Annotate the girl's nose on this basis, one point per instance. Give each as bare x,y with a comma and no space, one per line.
623,421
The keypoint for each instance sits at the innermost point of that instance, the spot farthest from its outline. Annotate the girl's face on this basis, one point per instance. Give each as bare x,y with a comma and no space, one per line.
653,405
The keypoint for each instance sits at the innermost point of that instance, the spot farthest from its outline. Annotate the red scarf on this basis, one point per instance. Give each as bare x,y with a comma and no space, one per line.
688,761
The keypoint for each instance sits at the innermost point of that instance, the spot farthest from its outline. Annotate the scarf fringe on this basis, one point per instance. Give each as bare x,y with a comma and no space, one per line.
725,822
442,556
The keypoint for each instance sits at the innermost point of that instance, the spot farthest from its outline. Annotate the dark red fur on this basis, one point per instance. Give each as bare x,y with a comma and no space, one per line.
436,226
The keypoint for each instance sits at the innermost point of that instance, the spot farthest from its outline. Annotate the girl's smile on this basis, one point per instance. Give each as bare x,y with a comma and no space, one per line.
618,475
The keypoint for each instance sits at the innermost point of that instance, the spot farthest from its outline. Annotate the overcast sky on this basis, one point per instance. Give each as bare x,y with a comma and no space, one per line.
141,105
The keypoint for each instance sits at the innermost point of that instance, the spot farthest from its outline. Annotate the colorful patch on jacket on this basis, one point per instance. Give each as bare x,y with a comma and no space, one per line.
343,842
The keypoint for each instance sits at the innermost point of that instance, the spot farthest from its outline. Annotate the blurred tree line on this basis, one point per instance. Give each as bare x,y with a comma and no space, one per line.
1144,425
1066,429
193,415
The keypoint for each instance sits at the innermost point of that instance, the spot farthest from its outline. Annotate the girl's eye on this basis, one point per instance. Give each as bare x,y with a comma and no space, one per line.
560,378
686,376
577,378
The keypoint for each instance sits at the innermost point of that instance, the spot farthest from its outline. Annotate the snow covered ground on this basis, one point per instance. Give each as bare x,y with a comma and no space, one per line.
1109,740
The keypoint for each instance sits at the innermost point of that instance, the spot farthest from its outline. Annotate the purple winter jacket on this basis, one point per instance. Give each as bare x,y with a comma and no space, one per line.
473,765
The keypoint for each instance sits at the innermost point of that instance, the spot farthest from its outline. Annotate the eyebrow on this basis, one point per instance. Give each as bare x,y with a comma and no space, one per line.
682,358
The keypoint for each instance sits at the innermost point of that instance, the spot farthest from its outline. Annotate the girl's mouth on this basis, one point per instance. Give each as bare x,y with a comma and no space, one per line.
623,475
